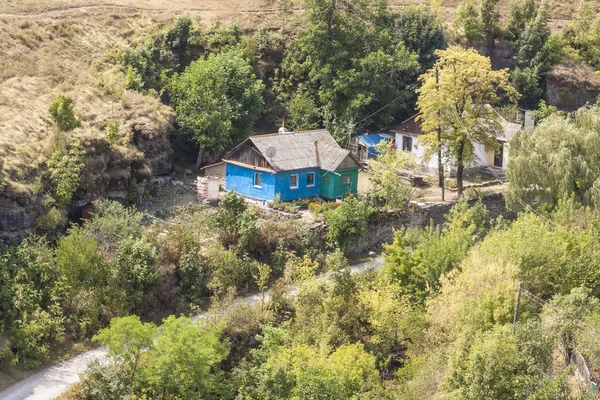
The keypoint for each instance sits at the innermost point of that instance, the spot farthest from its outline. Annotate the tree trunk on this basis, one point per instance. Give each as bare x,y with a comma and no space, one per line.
199,159
459,168
441,181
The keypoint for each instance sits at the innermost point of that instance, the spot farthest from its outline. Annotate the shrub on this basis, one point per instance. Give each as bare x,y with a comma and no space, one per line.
347,225
61,110
51,222
65,169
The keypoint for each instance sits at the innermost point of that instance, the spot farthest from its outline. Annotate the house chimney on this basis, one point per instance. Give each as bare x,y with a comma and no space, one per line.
283,130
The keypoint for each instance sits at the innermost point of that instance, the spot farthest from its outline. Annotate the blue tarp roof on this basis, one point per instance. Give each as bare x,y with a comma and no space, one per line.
373,140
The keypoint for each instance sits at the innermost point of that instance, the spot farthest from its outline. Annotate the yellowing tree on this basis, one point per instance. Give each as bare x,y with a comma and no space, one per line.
454,105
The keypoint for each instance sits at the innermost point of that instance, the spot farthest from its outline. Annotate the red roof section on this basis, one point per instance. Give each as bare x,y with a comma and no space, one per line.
411,126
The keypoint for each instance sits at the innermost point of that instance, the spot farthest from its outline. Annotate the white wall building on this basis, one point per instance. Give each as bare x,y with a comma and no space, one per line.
407,136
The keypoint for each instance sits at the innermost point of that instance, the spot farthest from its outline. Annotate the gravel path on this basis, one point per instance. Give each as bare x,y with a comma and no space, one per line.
49,383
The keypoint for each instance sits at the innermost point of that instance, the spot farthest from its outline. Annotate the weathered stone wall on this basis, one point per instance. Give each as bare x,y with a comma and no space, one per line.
382,229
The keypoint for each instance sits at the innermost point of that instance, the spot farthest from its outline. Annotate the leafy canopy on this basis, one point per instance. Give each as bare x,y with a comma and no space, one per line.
457,103
217,99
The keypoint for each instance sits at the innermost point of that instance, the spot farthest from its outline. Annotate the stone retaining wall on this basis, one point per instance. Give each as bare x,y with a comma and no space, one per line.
382,229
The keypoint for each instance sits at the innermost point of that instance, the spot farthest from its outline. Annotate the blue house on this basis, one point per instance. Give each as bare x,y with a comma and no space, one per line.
292,165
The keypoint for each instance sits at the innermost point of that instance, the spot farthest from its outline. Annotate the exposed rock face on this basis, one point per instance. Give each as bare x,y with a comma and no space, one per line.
107,174
570,87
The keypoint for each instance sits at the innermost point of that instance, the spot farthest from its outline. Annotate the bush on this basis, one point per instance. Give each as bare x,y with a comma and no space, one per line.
51,222
347,225
61,110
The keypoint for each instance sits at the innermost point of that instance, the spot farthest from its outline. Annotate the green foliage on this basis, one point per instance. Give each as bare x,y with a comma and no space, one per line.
565,315
136,272
559,159
534,55
519,16
417,260
477,24
62,112
348,223
126,339
389,190
349,61
65,168
217,99
544,111
236,224
112,132
583,34
456,101
183,360
112,223
421,33
51,222
134,192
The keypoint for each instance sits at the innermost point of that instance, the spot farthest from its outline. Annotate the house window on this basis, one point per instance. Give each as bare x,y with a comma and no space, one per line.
310,179
294,181
345,180
325,180
257,180
406,143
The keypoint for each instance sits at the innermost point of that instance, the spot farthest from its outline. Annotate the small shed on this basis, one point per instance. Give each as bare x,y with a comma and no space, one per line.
363,146
216,170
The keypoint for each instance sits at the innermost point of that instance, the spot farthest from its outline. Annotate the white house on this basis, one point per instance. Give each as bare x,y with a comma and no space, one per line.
407,136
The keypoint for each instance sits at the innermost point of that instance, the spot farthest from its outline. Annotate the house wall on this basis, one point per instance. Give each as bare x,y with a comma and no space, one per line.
241,180
283,180
335,188
430,165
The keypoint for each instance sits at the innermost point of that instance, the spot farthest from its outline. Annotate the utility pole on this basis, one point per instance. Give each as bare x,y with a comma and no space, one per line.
439,137
516,316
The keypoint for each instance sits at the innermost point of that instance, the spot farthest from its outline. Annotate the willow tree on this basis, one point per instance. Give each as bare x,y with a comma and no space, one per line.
560,158
454,105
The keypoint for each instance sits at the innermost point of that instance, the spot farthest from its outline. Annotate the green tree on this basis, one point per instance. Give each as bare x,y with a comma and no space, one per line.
65,172
520,15
477,24
455,97
349,64
422,33
136,272
113,223
217,99
389,189
126,339
560,158
348,223
62,112
534,56
183,361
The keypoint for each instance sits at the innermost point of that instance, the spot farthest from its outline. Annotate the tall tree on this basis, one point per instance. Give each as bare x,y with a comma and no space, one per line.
217,99
457,102
348,63
560,158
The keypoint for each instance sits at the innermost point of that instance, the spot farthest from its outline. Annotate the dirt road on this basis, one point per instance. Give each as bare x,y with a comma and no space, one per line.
51,382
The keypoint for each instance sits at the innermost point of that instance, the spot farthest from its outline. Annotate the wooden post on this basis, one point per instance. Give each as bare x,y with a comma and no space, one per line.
516,316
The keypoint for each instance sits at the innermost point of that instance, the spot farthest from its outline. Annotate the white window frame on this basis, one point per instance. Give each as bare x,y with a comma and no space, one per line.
254,181
297,181
313,179
342,180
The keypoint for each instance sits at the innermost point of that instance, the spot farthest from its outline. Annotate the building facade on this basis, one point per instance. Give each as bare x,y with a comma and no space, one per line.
291,165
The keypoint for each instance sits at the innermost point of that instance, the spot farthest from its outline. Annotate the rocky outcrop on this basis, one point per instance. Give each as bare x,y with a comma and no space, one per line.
107,174
571,86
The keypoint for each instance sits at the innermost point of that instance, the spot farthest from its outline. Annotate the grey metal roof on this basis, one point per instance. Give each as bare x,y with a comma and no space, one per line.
299,150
